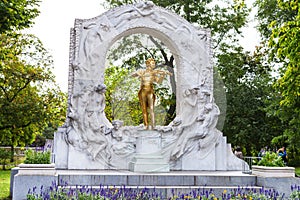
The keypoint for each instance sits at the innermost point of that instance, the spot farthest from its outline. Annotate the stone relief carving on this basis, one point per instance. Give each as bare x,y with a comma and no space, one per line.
92,35
89,129
192,132
88,122
130,13
91,132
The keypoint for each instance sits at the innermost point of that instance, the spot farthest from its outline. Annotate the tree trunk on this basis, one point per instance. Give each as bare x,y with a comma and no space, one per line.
12,153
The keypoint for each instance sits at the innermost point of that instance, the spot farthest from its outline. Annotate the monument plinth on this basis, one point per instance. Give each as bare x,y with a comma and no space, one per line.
148,156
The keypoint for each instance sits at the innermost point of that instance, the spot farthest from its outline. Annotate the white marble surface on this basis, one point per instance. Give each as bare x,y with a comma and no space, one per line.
88,140
264,171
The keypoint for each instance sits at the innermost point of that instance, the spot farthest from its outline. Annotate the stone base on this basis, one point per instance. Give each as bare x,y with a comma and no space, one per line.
32,175
37,169
148,163
148,157
166,182
220,158
264,171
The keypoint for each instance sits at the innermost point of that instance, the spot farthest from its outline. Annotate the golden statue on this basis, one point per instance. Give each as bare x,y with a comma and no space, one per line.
146,92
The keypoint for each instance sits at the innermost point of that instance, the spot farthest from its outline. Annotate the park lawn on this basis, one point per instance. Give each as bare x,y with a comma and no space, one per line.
297,171
4,184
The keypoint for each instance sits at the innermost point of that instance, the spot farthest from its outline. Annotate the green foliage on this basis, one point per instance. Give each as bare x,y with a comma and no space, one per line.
29,98
271,159
297,171
295,194
17,14
248,85
37,157
121,96
4,157
270,13
282,23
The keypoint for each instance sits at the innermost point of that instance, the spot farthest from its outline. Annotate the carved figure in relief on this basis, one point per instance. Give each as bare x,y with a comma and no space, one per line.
88,56
203,97
121,137
146,92
79,103
142,9
88,122
96,123
139,10
191,135
188,106
92,42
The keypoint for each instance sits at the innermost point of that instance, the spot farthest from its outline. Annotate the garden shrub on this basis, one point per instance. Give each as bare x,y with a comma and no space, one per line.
271,159
4,157
37,157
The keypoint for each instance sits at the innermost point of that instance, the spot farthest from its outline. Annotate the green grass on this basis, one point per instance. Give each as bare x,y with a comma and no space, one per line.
297,171
4,184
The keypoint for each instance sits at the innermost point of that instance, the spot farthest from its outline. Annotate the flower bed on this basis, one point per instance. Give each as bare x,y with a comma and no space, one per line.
124,193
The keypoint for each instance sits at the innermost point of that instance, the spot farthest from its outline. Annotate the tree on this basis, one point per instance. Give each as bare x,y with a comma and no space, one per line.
283,36
121,97
248,82
29,99
4,157
17,14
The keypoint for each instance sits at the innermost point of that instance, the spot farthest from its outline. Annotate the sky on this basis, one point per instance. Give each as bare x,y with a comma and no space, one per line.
53,25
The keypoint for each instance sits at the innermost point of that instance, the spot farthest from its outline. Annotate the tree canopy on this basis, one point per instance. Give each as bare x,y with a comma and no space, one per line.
17,14
280,27
29,97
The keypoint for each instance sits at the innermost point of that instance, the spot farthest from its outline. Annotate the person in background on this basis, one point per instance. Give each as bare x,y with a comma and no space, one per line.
238,152
262,152
282,153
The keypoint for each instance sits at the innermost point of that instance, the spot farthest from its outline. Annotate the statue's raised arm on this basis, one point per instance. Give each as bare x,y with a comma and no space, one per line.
160,75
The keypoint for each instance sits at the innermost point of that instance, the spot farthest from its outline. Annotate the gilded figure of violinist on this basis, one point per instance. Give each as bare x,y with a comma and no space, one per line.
146,94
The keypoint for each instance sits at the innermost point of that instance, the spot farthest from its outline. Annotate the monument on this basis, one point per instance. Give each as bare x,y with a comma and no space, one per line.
88,140
190,152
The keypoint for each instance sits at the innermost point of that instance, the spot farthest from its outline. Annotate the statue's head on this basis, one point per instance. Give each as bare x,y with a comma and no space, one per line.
117,124
150,62
101,88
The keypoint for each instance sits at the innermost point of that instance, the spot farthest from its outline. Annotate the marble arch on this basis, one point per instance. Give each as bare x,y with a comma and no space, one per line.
189,45
89,141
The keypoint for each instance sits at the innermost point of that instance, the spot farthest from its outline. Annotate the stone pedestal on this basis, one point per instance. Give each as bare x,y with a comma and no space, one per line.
148,157
264,171
41,176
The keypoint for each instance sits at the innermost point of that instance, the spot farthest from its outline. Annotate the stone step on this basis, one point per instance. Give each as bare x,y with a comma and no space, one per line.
174,178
